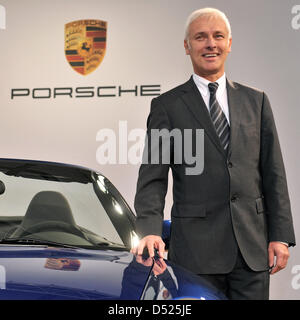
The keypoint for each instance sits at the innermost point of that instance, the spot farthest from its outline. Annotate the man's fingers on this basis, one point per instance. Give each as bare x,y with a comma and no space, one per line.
282,254
141,247
150,242
161,249
271,258
274,270
150,246
280,264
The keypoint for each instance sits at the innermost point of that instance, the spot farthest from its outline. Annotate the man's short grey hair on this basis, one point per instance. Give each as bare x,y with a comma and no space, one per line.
207,12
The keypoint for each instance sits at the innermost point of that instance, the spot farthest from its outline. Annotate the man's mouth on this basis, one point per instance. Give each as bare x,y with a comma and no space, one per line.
210,55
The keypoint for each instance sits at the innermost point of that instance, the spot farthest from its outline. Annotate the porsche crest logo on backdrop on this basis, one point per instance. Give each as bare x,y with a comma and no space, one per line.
85,44
85,48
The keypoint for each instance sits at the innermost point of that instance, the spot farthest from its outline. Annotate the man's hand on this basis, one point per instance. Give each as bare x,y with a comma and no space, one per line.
159,265
281,252
150,242
147,262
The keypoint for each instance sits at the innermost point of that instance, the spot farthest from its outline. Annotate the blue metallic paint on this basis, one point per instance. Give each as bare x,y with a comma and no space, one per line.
102,274
99,275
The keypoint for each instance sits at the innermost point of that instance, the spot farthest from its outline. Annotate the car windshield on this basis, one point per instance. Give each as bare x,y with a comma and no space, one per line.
44,203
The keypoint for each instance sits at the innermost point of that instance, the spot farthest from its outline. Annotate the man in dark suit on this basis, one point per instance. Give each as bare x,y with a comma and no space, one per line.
232,223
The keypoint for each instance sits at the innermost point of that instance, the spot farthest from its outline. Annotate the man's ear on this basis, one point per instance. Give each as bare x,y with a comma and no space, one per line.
230,43
186,47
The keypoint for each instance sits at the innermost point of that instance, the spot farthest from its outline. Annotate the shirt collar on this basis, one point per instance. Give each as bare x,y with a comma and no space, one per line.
202,84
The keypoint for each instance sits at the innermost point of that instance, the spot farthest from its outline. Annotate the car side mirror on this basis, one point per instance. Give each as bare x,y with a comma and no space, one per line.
166,233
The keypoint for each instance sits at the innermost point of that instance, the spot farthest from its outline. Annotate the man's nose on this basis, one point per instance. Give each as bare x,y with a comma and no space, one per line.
211,43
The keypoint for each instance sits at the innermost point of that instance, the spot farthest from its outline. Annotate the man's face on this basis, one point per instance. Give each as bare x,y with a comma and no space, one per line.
208,46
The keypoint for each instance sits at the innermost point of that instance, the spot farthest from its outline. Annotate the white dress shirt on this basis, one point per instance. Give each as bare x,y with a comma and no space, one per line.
221,95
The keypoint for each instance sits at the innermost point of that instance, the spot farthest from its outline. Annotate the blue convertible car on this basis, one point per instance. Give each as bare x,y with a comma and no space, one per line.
66,233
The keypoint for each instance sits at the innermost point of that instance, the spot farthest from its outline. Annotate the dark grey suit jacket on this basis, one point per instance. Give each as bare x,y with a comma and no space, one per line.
240,199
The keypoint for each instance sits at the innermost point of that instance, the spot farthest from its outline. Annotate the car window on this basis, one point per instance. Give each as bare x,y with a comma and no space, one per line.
85,212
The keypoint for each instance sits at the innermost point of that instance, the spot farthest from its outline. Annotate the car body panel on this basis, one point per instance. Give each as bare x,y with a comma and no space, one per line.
103,269
45,273
37,272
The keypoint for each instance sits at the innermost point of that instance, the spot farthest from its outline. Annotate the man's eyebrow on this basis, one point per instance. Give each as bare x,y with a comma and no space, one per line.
201,33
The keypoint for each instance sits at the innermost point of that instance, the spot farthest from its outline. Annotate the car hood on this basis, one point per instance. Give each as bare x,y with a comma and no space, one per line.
48,273
39,272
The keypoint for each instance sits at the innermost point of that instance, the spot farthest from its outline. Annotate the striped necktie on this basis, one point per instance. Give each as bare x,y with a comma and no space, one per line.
218,117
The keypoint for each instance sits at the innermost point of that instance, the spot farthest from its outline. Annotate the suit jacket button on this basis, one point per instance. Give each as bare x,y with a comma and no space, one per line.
230,165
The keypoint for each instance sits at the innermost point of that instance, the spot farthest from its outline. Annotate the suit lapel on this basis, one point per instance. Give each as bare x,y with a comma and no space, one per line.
194,102
234,103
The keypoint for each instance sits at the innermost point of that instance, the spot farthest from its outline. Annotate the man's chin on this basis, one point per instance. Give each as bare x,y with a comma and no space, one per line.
210,72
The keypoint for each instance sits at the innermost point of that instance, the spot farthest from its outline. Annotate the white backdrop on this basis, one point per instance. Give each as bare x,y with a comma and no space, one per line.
144,47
